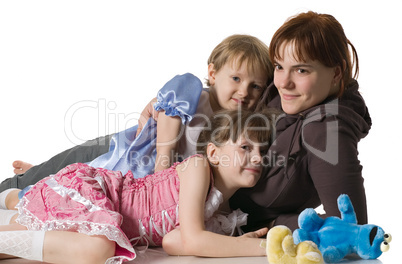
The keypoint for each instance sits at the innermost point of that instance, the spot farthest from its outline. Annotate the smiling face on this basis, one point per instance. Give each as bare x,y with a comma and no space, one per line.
233,87
237,164
303,84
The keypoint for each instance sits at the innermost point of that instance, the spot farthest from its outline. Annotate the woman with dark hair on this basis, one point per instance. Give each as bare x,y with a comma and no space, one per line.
314,157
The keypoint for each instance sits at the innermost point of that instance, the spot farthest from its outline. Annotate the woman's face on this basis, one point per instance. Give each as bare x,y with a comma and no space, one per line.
303,84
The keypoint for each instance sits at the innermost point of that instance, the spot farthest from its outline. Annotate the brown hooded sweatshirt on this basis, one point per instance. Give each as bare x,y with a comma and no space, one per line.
313,160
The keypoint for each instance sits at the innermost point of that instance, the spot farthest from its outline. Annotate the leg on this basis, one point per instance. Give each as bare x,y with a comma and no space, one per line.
300,235
9,199
309,220
55,246
12,199
333,254
71,247
17,241
81,153
12,227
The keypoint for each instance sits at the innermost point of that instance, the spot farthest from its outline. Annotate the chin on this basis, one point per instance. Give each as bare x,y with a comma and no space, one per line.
289,110
251,183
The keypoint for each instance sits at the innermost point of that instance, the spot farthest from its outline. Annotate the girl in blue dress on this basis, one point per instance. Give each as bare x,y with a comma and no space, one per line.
239,70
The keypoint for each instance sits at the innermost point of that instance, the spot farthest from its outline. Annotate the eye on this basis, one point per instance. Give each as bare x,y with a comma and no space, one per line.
278,67
387,238
384,247
263,152
300,70
236,79
245,147
257,87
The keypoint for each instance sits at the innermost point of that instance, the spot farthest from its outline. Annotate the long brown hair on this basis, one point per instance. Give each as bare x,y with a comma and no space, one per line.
317,37
228,125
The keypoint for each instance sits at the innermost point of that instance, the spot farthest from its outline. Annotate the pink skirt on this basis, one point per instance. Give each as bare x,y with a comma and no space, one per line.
79,198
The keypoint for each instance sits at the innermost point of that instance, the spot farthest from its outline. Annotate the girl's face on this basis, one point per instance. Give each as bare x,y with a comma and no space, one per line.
233,86
240,163
303,84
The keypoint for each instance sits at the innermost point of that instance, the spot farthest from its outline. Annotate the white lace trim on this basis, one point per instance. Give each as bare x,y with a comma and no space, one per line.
219,223
215,198
26,218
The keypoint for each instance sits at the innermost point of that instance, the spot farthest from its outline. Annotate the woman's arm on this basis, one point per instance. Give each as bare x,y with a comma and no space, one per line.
192,238
339,176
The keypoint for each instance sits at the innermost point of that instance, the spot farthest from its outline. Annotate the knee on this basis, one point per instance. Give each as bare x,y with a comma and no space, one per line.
12,199
98,250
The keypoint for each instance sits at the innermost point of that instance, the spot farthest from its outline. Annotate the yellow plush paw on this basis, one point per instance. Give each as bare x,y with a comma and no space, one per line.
282,250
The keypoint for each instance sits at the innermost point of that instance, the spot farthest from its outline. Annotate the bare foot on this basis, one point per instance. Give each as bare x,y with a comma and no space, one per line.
21,166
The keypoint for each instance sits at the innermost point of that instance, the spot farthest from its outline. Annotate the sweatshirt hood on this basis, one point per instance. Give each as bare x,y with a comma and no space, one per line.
350,107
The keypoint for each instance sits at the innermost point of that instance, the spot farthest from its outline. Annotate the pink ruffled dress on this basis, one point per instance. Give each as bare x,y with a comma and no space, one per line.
129,211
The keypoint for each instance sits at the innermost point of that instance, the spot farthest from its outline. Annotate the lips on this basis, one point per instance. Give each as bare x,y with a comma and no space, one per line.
254,170
238,101
289,96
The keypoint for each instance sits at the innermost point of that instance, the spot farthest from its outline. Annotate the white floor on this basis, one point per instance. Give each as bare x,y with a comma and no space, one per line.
158,256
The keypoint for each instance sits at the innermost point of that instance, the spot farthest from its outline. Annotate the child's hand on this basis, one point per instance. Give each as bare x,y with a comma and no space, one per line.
261,246
148,112
256,234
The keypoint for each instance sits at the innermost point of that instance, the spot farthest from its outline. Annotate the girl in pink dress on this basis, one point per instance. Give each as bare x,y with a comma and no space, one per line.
84,214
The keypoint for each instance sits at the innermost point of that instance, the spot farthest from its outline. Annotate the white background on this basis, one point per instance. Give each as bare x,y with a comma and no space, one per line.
75,70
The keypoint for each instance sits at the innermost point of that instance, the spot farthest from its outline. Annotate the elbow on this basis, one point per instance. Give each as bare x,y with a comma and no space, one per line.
192,247
170,246
175,245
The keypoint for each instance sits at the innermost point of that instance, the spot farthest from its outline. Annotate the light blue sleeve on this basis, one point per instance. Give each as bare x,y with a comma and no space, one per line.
180,96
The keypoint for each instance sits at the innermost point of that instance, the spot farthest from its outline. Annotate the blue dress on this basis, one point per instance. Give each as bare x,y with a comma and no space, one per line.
182,96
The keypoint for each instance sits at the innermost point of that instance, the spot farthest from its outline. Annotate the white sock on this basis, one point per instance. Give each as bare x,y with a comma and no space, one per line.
6,215
3,196
24,244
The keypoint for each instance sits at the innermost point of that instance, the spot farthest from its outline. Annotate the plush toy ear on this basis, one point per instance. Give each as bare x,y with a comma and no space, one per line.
212,153
346,209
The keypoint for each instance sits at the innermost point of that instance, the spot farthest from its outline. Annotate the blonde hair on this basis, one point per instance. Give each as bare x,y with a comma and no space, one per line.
243,48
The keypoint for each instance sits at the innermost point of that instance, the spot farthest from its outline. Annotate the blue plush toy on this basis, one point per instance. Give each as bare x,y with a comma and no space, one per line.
337,237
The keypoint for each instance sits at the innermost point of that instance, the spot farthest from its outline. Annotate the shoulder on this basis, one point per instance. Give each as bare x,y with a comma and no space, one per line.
194,171
194,176
193,163
333,121
180,96
185,82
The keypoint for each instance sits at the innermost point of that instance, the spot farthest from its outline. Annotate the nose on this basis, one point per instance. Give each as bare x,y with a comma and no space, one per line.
283,80
256,157
243,91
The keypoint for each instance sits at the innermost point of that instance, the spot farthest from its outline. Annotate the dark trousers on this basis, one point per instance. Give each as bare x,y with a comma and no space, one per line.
81,153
